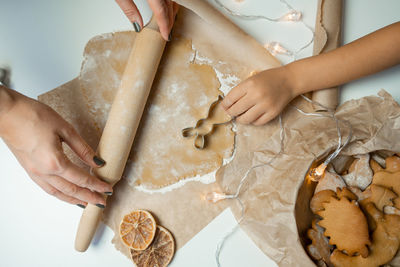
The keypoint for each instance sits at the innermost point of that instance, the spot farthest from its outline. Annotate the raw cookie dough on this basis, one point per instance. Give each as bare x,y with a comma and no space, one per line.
221,45
181,94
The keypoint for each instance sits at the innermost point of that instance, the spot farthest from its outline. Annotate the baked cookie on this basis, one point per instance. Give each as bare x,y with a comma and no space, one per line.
319,249
390,180
346,225
384,246
330,180
319,198
360,173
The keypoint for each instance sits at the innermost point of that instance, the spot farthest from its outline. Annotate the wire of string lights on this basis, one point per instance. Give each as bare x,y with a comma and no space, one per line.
274,47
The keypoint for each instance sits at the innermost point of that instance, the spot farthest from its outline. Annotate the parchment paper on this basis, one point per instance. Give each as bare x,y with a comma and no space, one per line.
271,193
276,217
327,37
158,139
210,42
276,211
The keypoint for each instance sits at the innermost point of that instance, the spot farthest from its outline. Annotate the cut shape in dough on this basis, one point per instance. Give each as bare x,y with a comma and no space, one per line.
181,94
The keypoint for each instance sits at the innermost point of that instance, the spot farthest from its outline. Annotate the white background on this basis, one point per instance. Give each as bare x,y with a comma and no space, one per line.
43,40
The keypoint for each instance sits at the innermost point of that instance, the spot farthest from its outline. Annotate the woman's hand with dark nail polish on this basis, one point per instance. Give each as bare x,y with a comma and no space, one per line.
101,206
164,11
136,26
99,161
34,133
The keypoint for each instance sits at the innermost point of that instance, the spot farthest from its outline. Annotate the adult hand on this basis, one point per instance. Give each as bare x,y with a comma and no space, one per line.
34,133
163,10
260,98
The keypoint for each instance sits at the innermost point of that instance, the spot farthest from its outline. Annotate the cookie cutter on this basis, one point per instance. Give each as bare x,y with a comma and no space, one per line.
200,137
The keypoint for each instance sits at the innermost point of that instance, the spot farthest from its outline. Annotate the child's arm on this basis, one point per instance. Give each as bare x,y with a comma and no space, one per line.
260,98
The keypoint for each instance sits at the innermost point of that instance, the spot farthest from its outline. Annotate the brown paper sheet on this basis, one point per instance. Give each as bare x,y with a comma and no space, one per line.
168,110
327,37
276,211
207,42
272,218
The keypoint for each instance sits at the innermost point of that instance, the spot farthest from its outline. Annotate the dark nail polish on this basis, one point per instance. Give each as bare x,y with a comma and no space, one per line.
81,206
101,206
136,26
108,193
98,161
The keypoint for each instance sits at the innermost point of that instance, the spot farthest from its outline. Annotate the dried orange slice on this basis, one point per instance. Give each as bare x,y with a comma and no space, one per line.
137,229
159,253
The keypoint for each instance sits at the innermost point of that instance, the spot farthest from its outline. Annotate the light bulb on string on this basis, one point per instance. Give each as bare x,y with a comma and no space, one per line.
316,174
292,15
320,170
214,197
276,48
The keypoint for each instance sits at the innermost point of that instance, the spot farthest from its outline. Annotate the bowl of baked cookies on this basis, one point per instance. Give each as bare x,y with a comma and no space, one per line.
349,214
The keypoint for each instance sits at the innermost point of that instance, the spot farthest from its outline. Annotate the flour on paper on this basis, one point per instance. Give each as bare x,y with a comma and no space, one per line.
181,94
227,81
85,103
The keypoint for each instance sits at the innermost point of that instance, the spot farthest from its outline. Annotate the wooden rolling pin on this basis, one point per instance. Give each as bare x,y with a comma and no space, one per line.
123,120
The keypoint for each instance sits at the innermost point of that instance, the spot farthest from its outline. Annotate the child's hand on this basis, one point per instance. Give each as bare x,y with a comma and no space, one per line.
261,97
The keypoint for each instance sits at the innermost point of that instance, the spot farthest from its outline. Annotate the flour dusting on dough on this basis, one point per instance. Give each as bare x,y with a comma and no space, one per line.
160,156
227,81
205,179
180,98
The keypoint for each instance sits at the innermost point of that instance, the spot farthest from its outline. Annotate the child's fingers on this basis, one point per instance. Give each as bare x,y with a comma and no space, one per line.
232,97
266,117
240,107
251,115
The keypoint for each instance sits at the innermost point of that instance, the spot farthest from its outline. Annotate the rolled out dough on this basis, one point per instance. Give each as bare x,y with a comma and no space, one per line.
217,43
181,94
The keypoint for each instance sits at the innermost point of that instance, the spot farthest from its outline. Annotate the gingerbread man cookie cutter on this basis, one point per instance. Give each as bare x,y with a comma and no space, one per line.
203,127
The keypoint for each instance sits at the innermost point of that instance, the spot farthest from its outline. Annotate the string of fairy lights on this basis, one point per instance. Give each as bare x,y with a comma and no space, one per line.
214,197
275,48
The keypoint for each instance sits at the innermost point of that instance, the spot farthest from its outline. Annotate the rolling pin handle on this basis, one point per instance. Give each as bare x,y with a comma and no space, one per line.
87,227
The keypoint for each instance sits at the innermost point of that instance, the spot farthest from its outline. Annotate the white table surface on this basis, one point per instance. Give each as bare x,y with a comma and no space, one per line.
43,40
